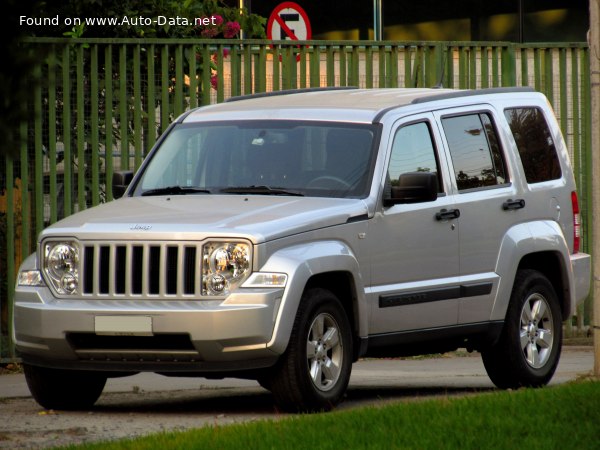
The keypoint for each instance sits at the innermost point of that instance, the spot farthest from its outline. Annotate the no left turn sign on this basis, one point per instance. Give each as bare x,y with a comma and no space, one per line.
289,21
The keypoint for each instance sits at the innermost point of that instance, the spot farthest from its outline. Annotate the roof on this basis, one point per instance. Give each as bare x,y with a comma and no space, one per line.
343,104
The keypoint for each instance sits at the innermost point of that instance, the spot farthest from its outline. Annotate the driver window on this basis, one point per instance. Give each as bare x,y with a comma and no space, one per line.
413,150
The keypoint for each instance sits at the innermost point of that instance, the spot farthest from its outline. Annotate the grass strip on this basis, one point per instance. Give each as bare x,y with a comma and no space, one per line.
560,417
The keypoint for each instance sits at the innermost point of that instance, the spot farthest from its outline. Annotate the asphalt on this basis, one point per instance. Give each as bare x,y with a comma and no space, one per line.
455,371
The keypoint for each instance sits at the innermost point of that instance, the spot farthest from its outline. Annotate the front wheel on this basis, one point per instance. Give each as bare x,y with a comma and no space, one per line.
528,351
313,373
64,389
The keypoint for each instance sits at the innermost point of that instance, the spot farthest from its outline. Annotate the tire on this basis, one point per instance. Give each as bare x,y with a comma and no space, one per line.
64,389
264,379
529,347
313,374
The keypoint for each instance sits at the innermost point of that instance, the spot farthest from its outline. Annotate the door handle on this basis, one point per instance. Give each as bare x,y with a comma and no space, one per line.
446,214
510,204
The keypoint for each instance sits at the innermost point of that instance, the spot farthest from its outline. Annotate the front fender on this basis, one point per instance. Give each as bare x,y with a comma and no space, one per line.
529,239
29,263
301,262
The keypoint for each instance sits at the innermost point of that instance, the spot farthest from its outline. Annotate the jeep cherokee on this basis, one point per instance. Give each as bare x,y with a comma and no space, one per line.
280,237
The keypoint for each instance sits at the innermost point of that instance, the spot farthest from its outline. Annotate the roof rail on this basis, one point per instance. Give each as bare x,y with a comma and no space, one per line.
289,91
472,92
455,94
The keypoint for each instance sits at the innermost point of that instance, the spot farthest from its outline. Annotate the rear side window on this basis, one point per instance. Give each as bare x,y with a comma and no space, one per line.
535,144
475,151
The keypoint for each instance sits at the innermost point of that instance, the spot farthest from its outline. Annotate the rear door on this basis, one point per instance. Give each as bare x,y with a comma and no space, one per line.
488,201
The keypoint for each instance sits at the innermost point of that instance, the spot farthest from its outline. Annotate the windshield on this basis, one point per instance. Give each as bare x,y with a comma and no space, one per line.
321,159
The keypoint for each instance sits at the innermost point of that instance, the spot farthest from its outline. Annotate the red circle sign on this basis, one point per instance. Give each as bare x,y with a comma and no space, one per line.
289,21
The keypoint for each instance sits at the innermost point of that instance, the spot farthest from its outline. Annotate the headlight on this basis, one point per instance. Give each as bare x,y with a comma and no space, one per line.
225,265
61,266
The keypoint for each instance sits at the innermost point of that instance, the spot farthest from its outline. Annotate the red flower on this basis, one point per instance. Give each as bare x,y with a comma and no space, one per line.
209,32
231,30
214,82
215,56
218,20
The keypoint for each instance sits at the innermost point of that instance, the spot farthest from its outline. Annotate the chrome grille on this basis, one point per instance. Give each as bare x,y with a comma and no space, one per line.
141,269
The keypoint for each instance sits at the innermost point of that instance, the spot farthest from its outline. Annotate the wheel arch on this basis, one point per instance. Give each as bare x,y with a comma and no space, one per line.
552,266
343,286
539,246
329,265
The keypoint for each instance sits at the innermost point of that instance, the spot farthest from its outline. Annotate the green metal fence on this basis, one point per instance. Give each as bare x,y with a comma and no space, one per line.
102,103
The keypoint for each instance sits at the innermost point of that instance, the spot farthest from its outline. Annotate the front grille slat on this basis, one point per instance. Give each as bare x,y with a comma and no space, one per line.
141,270
154,271
104,273
189,271
96,274
137,270
172,263
120,269
88,270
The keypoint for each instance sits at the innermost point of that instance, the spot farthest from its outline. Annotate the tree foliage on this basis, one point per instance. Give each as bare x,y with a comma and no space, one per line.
16,76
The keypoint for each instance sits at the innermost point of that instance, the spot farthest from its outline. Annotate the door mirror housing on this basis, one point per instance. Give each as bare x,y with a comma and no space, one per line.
120,182
414,187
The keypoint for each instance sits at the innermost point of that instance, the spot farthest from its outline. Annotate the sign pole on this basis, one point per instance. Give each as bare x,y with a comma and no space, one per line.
378,20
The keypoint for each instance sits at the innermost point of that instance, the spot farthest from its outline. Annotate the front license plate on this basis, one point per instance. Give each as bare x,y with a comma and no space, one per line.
123,325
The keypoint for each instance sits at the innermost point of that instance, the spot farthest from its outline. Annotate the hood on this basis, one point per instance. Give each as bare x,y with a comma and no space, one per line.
195,217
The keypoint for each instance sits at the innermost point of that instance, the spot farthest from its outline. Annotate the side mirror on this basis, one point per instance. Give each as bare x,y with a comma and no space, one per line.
414,187
120,182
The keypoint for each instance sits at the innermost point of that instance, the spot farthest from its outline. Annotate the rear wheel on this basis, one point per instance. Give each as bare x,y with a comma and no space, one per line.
313,373
528,351
64,389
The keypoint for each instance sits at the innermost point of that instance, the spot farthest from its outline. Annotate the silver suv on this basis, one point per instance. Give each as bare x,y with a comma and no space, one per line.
281,237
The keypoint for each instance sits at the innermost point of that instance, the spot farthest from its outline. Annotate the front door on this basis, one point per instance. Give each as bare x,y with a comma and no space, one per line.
414,247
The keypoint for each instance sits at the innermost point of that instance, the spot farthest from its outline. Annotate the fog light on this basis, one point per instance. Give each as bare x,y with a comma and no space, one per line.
217,283
69,283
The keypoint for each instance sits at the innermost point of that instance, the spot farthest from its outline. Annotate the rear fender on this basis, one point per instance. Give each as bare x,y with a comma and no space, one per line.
522,241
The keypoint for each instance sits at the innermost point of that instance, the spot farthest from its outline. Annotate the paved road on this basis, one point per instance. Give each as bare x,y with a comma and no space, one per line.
149,403
447,372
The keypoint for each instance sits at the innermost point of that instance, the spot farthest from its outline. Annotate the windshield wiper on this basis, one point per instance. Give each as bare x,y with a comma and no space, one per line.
265,190
175,190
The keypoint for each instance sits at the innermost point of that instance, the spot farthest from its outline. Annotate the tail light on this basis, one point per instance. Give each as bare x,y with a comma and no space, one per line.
576,222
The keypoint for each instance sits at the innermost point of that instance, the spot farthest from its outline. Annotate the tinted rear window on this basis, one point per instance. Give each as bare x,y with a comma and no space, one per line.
475,151
535,144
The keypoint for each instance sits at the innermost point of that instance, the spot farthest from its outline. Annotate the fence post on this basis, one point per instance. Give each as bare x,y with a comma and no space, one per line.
437,56
509,66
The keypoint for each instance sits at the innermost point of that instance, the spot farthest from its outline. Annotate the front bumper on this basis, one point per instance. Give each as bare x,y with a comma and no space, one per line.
149,335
